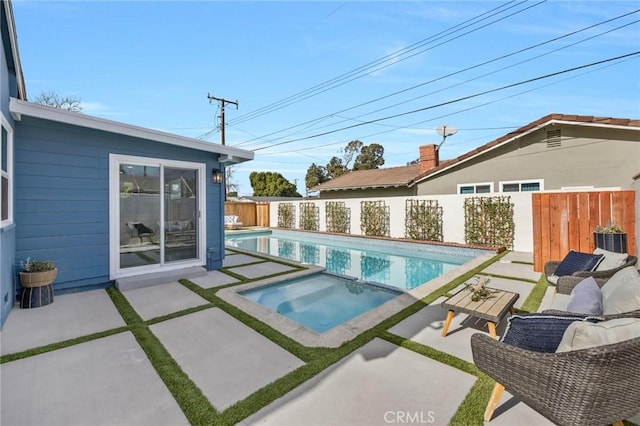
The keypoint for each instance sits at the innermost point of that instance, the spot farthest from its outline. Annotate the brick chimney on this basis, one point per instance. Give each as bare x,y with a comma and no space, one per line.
428,157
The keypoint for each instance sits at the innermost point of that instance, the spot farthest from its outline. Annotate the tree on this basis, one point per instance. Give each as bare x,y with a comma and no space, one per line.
350,151
336,168
231,185
370,157
271,184
366,157
315,176
52,99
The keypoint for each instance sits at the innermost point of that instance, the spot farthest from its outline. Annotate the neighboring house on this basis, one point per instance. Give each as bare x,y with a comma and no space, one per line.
556,152
104,200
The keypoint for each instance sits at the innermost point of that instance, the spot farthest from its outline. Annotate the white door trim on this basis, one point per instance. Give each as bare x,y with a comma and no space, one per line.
115,160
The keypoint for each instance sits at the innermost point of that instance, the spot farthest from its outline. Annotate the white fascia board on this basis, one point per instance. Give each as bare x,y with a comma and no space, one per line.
20,108
520,135
13,41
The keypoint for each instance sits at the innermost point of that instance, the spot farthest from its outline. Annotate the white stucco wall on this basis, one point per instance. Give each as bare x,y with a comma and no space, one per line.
452,216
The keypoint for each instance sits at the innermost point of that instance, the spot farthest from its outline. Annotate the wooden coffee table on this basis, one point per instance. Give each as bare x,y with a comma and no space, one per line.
492,309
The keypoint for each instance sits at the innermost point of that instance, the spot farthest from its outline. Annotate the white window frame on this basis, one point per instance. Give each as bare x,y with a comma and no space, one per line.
115,160
8,174
475,186
540,182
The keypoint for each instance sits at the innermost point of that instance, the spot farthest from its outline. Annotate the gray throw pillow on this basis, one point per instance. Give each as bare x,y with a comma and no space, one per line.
586,298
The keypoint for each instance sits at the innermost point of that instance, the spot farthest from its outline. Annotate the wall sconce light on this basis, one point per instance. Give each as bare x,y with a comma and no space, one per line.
216,176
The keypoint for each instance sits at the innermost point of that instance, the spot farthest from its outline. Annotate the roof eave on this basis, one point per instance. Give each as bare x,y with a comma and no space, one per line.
228,155
518,136
400,185
13,39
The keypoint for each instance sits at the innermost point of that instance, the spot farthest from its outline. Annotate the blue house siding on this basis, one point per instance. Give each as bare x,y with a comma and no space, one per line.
62,196
7,259
8,87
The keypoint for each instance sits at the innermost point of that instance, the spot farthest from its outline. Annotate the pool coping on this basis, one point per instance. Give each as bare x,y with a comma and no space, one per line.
349,330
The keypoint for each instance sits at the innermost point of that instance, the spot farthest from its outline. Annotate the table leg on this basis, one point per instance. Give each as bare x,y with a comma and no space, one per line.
447,323
492,329
493,401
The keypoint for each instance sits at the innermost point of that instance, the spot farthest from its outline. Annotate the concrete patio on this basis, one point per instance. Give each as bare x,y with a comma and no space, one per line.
110,380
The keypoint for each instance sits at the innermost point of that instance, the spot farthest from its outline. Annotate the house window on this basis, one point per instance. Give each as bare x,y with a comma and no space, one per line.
6,152
522,186
475,188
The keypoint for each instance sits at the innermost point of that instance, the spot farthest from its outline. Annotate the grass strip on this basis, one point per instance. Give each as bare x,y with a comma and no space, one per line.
128,314
319,359
195,406
432,353
507,277
471,411
189,397
59,345
533,301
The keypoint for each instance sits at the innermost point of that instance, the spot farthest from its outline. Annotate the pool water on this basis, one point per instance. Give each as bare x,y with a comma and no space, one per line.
321,301
373,261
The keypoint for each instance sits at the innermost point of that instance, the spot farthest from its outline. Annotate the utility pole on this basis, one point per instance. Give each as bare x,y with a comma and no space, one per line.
223,102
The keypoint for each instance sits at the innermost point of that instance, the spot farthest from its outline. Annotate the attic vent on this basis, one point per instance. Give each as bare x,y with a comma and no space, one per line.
554,138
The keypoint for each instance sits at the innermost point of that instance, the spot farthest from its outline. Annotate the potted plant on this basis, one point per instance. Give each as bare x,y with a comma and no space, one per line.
610,237
479,289
36,277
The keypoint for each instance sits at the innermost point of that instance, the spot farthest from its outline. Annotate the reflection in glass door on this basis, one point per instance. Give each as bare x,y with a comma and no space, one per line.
139,215
158,214
180,214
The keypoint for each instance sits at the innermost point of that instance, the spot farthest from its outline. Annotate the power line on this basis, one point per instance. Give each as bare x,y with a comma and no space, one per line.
508,86
394,57
311,122
222,102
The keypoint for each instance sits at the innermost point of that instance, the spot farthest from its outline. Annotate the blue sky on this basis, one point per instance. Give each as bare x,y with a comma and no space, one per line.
152,64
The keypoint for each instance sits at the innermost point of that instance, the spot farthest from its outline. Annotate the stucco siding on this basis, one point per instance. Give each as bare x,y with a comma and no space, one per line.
62,196
588,156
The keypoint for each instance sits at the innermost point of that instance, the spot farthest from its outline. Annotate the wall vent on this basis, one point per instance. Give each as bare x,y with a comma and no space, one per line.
554,138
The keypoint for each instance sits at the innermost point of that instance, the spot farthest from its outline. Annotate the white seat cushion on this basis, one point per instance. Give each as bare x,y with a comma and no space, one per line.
611,259
621,293
582,335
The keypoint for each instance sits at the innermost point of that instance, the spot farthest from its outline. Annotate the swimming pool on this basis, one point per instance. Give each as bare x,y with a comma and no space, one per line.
320,301
398,264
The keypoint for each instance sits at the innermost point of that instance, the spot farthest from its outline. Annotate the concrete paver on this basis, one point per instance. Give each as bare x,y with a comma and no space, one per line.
226,359
515,270
261,269
69,316
214,279
163,299
239,259
108,381
425,327
376,385
519,256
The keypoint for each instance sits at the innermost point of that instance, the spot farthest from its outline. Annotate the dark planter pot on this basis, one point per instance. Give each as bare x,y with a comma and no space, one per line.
611,242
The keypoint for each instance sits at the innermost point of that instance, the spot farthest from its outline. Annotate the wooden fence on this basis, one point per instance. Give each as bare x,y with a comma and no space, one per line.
249,213
566,220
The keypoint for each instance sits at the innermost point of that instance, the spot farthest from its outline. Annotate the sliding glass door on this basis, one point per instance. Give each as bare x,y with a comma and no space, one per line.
180,214
156,211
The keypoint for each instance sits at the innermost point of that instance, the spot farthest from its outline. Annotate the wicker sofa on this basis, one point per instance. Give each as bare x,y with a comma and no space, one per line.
586,387
593,386
550,268
566,286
